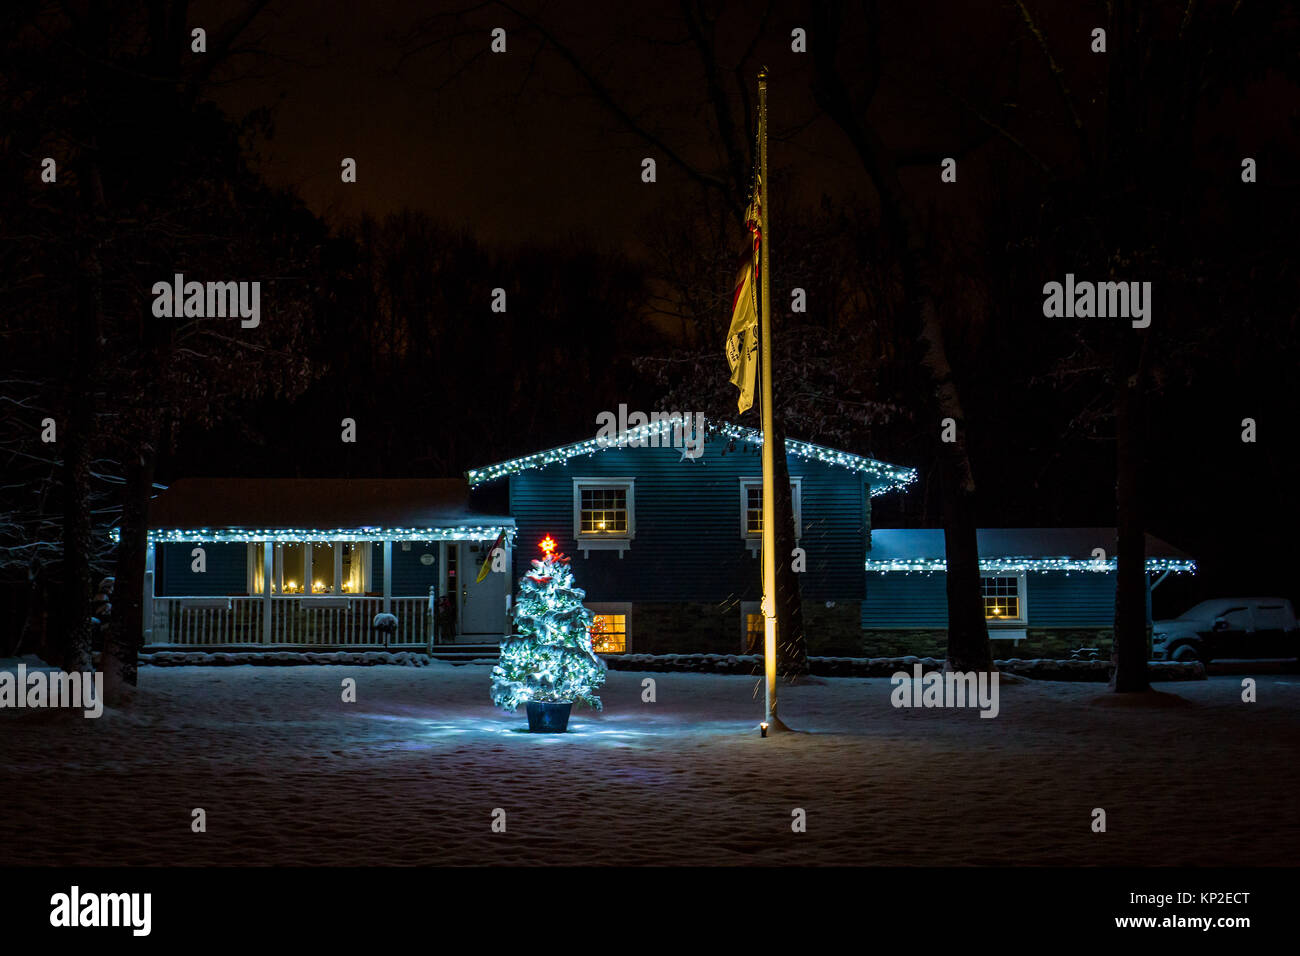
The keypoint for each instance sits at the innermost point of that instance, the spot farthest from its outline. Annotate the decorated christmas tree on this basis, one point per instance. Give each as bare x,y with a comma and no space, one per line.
549,659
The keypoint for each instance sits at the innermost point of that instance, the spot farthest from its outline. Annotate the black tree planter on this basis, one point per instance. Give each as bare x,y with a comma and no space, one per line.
548,717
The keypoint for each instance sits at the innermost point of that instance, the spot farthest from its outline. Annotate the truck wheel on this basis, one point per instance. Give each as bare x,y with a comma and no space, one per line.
1185,652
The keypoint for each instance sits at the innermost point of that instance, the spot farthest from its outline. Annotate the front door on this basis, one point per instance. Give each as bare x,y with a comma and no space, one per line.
482,605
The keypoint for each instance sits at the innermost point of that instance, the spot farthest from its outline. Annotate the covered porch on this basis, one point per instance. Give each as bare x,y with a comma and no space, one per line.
322,564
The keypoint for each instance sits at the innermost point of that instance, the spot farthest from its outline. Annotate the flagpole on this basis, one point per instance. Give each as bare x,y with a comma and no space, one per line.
769,446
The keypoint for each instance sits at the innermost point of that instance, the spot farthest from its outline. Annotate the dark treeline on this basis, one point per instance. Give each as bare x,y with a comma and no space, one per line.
389,320
436,381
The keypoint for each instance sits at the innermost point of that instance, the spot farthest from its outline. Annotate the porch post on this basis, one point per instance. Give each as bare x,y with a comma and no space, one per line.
268,562
388,575
306,569
147,602
510,585
338,569
432,617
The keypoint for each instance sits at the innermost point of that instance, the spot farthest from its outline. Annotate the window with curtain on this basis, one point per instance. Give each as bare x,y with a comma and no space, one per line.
289,570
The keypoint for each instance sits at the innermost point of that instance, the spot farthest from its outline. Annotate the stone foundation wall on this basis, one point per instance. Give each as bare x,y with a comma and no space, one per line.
835,631
699,628
685,628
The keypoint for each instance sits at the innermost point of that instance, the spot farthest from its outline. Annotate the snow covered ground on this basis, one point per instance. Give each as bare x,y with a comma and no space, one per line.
410,774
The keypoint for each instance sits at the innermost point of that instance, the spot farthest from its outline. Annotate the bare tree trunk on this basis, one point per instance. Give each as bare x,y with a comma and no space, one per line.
968,643
126,632
75,643
76,439
1129,653
33,633
1127,138
968,635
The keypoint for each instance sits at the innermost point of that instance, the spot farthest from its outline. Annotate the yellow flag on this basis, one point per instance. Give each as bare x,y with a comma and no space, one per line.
742,337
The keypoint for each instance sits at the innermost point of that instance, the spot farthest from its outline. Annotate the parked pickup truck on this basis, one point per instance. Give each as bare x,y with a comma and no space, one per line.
1227,628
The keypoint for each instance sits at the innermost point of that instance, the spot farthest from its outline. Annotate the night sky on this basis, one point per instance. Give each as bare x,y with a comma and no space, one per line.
515,147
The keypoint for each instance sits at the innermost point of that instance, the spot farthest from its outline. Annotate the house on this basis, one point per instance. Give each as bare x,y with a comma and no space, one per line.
665,537
294,562
1046,590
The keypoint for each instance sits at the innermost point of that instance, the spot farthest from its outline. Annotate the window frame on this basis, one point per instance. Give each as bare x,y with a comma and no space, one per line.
1022,597
615,607
618,541
754,540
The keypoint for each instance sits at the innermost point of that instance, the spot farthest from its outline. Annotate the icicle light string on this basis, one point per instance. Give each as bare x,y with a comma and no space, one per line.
884,477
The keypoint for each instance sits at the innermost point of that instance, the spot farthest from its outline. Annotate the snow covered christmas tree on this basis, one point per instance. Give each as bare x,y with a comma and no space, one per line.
550,657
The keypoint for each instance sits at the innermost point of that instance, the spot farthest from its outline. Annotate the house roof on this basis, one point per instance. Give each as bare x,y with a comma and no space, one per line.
1017,549
243,509
882,476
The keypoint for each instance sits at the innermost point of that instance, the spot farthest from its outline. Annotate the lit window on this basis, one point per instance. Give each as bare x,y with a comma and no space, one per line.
751,623
1002,598
291,558
604,510
609,627
604,514
308,568
751,510
754,509
609,634
322,568
754,633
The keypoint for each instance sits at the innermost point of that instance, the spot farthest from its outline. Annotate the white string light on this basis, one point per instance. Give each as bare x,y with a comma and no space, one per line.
884,477
296,535
931,565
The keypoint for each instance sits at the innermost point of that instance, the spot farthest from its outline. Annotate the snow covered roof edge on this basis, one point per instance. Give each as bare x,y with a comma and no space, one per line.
884,477
1017,549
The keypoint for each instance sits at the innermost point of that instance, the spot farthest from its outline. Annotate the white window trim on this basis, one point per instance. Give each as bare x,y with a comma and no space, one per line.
1022,591
755,541
619,542
616,607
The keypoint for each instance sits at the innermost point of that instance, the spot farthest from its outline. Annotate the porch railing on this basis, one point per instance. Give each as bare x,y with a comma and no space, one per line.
335,621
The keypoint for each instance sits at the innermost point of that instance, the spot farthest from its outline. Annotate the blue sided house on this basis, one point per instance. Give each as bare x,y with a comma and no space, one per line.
663,529
266,563
665,536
